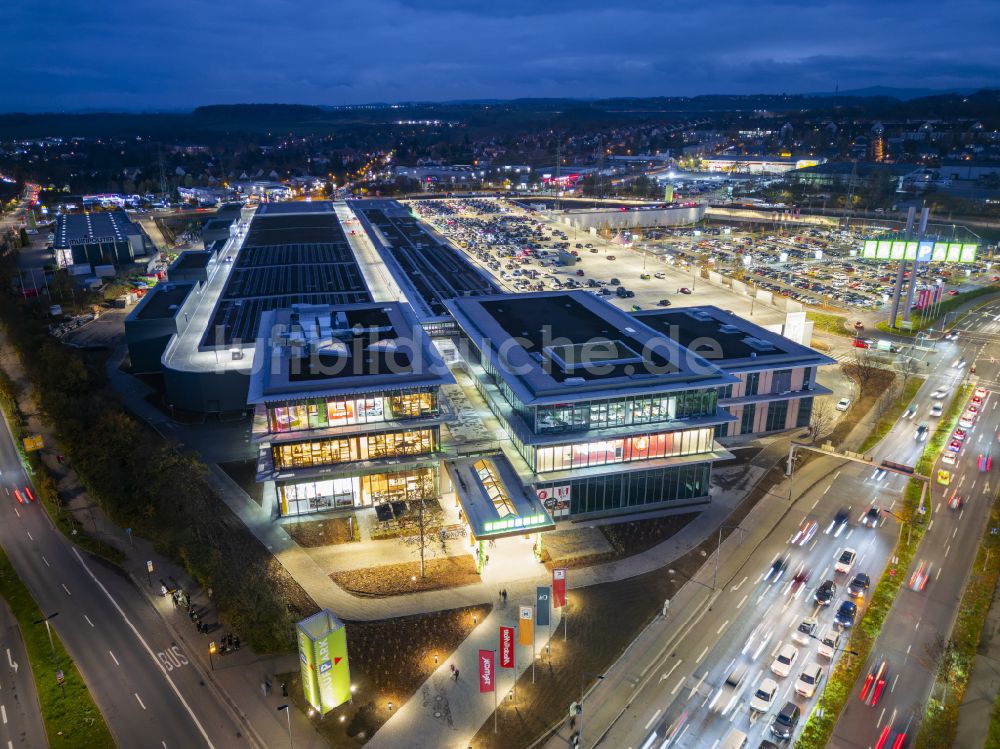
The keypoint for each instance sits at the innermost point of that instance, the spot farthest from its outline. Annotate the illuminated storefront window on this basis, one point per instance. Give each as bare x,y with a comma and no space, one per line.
322,414
606,414
347,449
357,491
623,450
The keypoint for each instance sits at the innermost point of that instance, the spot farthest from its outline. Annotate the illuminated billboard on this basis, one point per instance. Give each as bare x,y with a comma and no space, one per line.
924,251
326,678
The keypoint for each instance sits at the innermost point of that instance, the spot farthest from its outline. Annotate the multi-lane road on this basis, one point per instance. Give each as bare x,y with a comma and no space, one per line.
750,618
144,683
920,620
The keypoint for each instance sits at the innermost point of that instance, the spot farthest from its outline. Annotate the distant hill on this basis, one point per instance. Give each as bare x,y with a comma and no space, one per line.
903,94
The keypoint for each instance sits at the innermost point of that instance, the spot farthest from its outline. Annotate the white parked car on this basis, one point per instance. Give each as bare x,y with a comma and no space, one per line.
785,660
843,404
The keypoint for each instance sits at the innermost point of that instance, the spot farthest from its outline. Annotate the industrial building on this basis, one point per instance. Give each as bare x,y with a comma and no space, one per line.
105,238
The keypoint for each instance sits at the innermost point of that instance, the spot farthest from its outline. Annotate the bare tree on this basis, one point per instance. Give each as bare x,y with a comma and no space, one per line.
863,369
907,368
823,416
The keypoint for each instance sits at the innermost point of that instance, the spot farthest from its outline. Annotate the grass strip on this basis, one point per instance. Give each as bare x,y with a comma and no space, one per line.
829,323
71,719
893,414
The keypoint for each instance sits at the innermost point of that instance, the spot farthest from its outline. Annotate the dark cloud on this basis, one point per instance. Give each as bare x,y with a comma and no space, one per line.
145,55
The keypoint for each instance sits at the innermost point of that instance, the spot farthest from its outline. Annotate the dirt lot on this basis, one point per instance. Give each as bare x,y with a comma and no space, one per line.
395,579
325,532
389,661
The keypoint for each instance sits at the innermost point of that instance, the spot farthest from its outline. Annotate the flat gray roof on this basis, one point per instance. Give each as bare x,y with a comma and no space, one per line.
730,342
310,351
550,347
162,301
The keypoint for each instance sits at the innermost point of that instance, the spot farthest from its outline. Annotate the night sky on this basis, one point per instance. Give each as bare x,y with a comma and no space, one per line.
175,54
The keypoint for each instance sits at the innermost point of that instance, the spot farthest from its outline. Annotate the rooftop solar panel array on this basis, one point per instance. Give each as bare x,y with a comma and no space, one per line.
286,259
435,270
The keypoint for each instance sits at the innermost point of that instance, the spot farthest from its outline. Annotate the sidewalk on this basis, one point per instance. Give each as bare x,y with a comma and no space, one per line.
236,680
984,684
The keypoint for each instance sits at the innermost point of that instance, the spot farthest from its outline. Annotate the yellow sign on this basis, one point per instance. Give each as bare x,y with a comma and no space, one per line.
525,629
34,443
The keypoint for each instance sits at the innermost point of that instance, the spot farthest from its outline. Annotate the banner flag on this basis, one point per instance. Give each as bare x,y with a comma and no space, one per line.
506,647
542,595
559,587
486,683
525,626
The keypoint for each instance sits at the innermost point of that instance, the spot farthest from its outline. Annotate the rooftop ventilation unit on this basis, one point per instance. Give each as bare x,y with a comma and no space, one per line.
758,345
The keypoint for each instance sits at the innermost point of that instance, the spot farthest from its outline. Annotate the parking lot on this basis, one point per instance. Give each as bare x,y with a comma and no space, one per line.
526,252
817,267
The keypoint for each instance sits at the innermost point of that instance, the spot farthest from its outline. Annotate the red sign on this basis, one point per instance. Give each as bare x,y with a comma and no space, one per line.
486,671
559,587
506,647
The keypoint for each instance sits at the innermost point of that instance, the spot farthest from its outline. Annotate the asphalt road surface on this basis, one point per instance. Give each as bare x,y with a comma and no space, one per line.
920,620
143,683
685,705
20,720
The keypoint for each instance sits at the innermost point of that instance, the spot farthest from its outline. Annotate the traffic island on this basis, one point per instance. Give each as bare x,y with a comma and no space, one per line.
390,660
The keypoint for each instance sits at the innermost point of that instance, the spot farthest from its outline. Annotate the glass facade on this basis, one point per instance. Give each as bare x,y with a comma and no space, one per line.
805,412
781,381
320,414
633,489
622,450
304,497
604,414
359,447
777,415
746,423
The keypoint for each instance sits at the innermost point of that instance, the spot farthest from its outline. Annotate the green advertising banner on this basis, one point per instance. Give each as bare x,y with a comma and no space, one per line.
326,676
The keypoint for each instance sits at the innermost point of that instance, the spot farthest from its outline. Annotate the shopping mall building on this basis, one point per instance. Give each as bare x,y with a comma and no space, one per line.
347,408
604,415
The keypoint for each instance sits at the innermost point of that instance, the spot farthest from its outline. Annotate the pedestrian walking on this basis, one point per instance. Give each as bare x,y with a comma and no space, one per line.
456,675
236,642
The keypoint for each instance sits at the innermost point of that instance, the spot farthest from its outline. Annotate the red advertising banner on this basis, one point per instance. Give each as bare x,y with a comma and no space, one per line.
506,647
559,587
486,682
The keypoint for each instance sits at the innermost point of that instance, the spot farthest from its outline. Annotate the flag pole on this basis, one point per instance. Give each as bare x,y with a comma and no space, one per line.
565,606
515,673
533,628
495,689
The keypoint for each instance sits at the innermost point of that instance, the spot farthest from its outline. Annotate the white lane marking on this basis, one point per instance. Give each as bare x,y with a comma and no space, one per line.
824,493
813,544
893,687
113,658
724,625
938,573
918,624
946,550
742,601
88,620
655,716
960,513
848,534
15,509
954,532
696,687
961,481
140,700
813,507
46,561
666,675
29,534
908,648
66,589
737,587
930,525
703,654
878,723
3,713
938,507
679,685
148,649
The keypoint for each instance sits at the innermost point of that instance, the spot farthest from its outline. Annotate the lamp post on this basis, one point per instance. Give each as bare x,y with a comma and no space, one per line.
718,549
55,660
288,714
579,705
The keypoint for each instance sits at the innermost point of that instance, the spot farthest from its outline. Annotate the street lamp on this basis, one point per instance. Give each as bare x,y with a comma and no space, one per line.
579,705
55,661
288,714
718,548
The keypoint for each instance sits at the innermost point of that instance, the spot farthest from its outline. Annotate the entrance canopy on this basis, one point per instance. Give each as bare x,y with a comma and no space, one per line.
494,500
